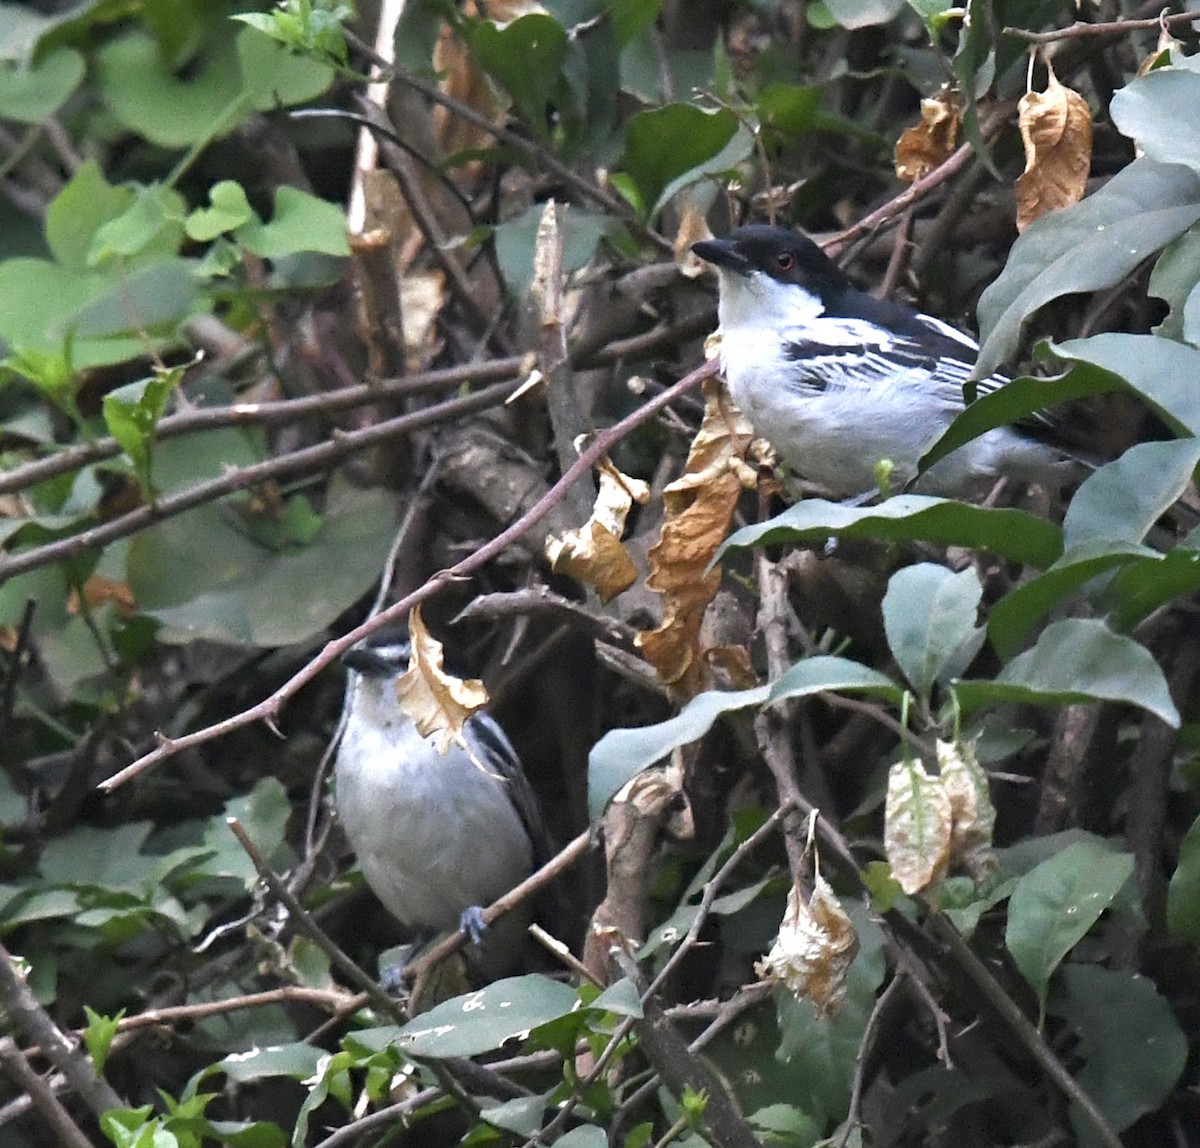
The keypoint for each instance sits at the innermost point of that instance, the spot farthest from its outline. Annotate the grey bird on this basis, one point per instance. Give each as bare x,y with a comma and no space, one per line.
437,836
837,380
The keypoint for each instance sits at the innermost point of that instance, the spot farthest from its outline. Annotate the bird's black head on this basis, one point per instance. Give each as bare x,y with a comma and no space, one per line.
380,661
786,256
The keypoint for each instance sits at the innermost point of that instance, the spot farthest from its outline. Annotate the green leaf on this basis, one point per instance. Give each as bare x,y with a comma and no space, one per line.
1054,905
1121,501
1173,280
670,147
29,93
1077,660
271,76
864,13
788,109
174,579
98,1035
910,517
297,1060
301,222
86,202
621,754
1155,111
1130,1042
583,1136
230,210
151,225
1015,615
1161,371
1183,893
1089,246
1013,402
485,1020
929,615
1142,586
581,232
131,414
525,57
152,300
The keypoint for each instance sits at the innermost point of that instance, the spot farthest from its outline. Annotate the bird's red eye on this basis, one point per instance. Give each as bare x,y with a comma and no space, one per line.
785,261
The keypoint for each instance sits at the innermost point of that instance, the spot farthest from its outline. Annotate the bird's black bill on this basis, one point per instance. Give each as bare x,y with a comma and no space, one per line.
721,253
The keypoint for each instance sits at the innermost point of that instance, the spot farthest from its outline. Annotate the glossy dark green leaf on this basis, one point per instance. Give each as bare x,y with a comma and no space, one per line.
1077,660
485,1020
1013,402
1054,905
909,517
621,754
929,613
1011,619
789,109
1183,893
1129,1040
525,57
297,1060
1141,587
1087,247
1160,370
678,143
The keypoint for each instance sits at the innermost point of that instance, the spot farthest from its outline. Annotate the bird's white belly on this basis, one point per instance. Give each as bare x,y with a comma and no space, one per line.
431,841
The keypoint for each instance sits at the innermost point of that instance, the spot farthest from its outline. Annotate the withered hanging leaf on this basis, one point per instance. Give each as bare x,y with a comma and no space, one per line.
815,948
972,812
1056,126
697,508
97,590
594,553
916,826
693,226
438,703
931,142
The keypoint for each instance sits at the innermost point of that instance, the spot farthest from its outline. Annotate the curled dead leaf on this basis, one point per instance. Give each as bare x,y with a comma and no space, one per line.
594,553
438,702
815,948
1056,127
697,509
97,590
917,825
931,142
692,228
972,813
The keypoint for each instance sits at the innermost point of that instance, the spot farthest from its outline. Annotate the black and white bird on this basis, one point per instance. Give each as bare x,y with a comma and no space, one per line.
437,835
838,381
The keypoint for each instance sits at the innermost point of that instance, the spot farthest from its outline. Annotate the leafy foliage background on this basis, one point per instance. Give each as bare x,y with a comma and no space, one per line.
183,535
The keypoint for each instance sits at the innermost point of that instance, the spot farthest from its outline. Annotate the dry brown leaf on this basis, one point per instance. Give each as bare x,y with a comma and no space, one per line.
931,142
815,947
972,812
1056,126
438,703
422,296
693,226
97,590
697,507
1166,44
917,824
594,553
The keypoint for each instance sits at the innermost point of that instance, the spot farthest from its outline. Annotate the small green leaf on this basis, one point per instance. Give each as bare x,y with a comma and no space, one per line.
98,1035
1053,906
230,209
485,1020
911,517
1130,1042
929,615
297,1060
153,223
301,222
1076,660
131,414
